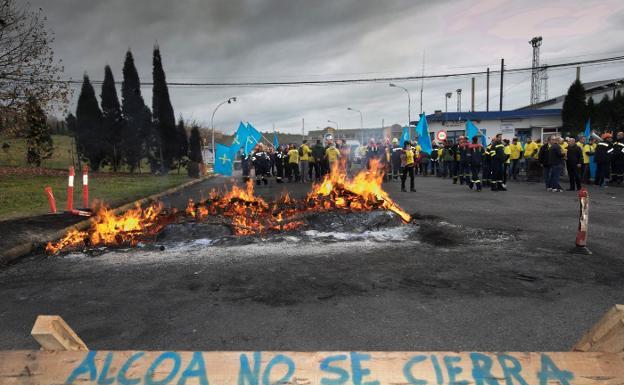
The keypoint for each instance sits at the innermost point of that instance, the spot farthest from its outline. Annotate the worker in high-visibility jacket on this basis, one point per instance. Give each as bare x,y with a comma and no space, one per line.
507,150
486,165
332,154
515,154
293,164
530,160
475,159
407,165
618,159
587,151
464,164
604,153
498,159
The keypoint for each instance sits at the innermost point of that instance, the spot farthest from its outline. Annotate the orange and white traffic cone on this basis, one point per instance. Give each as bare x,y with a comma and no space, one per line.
51,200
70,189
85,187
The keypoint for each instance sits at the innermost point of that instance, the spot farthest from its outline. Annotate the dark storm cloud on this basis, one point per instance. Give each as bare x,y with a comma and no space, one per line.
245,40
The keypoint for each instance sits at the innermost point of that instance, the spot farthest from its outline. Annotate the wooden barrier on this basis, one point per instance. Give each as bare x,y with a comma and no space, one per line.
69,362
324,368
607,335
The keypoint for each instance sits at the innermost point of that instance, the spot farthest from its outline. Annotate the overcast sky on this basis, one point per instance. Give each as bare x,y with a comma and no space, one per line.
261,40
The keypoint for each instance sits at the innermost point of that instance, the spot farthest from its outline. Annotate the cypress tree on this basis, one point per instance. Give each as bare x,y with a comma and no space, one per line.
89,139
182,141
112,121
195,153
38,139
195,150
591,109
603,114
163,116
138,137
618,112
574,111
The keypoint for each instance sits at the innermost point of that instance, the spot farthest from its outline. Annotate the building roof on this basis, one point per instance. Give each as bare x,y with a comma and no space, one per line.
491,115
590,87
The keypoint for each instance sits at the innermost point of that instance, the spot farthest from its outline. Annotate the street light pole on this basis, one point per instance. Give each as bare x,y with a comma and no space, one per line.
448,95
229,101
409,103
361,122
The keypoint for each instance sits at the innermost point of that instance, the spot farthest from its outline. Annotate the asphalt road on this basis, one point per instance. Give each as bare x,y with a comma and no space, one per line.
480,271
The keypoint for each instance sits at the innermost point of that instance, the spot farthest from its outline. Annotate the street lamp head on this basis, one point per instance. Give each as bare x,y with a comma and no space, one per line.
449,94
392,85
349,108
232,99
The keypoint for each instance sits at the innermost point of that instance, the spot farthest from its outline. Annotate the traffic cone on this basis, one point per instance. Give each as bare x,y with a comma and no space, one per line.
70,189
51,200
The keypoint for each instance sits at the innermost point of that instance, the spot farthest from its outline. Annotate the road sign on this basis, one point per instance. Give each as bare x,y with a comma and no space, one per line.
441,135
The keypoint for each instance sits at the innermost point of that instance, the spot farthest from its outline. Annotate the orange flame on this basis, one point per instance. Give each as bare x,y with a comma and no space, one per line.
108,229
245,212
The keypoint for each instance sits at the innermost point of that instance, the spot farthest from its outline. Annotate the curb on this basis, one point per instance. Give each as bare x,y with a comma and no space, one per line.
25,248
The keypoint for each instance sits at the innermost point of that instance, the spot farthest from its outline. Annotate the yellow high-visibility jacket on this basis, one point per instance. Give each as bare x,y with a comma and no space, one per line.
515,151
530,150
508,153
332,154
306,152
293,156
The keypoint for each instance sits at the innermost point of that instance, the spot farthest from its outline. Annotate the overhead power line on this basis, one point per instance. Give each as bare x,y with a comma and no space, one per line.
372,80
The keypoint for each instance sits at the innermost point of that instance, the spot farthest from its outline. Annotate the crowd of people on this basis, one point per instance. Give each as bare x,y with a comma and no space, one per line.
292,163
465,162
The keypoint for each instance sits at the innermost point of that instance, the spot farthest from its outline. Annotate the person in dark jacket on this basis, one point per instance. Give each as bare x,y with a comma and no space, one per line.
395,159
318,154
617,176
245,166
574,162
464,163
497,162
372,152
262,164
278,161
602,157
555,160
542,157
474,156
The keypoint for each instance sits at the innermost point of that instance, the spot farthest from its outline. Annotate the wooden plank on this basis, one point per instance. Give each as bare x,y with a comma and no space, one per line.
311,368
589,342
53,333
612,341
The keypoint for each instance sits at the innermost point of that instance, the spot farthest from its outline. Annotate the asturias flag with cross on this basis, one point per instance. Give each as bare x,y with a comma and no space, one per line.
224,160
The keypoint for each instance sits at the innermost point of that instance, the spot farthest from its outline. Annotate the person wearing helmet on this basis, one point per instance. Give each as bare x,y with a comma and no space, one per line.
603,155
395,159
618,159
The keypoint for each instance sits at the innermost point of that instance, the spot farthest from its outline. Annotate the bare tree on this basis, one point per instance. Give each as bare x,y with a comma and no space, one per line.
27,64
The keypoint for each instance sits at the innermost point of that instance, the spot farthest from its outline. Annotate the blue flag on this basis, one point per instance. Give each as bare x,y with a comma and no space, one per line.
587,130
239,138
472,130
422,129
275,141
405,137
253,137
224,160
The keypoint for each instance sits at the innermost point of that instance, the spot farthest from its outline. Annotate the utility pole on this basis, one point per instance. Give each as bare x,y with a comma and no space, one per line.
501,83
459,91
578,73
422,83
302,129
472,103
487,90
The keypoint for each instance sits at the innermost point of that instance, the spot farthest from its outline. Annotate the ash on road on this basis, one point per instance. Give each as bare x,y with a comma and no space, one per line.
477,271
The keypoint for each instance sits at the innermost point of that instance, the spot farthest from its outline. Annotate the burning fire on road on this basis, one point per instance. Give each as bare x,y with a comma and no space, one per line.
239,209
